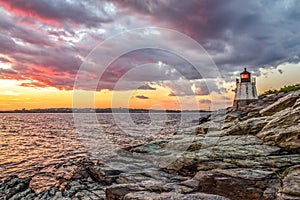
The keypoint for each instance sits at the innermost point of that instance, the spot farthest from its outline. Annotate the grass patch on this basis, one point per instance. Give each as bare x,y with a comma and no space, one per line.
285,89
282,174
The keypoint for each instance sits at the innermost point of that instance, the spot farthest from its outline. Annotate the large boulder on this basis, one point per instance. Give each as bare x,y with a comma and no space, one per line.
223,152
281,104
240,183
104,175
116,192
232,116
283,130
251,126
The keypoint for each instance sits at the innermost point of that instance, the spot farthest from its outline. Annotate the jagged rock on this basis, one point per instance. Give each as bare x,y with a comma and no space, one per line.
117,192
237,147
228,125
232,116
48,194
58,195
185,165
128,178
252,114
182,189
290,184
14,185
204,119
201,130
156,186
297,104
23,194
283,130
187,131
104,175
251,126
192,183
149,147
212,125
281,104
76,187
237,183
280,161
225,152
72,188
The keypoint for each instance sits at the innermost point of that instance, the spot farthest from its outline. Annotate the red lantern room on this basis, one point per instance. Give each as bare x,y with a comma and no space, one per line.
245,76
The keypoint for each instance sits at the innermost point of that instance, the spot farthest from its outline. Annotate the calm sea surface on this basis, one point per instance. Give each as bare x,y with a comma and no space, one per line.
39,144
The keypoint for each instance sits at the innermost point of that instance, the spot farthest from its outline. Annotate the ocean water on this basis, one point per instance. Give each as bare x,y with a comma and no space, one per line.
40,145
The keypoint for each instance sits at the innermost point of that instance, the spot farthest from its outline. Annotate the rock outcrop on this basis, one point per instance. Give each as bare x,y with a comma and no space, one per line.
77,186
247,154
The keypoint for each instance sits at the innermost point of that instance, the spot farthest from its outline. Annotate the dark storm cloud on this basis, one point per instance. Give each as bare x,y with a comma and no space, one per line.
7,44
144,67
235,33
89,13
7,71
48,40
152,65
53,60
34,56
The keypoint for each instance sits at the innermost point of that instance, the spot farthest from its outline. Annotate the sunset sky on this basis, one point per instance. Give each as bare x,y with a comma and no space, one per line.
45,45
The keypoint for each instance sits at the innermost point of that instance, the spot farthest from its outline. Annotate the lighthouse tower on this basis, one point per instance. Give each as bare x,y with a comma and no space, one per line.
245,91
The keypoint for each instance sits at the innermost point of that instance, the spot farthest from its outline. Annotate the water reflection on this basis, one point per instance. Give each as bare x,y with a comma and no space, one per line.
39,144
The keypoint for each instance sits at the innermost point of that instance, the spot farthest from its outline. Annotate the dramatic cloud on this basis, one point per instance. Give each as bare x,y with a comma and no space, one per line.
194,87
45,42
4,60
252,33
7,71
146,87
89,13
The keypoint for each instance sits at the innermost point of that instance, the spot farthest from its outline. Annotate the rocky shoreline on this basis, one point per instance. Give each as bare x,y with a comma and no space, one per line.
253,153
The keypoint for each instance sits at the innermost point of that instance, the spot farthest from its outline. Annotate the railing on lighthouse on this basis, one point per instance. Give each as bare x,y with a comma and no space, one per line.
245,76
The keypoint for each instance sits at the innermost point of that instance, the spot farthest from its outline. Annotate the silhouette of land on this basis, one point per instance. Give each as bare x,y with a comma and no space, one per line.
98,110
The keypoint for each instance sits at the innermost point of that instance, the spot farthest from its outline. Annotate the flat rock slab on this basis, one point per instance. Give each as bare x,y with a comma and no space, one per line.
144,195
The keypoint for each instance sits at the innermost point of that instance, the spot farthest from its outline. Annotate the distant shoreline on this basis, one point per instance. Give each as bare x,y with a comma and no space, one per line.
100,110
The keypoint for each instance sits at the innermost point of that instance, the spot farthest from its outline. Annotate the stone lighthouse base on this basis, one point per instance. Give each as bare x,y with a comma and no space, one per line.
237,104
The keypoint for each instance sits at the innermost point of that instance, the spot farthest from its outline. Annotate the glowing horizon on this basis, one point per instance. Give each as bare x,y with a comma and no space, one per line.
43,46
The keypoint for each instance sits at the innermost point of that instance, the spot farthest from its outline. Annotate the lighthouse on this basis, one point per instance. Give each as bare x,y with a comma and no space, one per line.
245,91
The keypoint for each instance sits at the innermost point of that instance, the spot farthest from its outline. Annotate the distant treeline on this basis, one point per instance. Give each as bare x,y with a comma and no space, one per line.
97,110
288,88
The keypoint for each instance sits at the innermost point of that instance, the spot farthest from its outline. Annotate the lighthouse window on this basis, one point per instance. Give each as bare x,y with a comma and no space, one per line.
245,75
